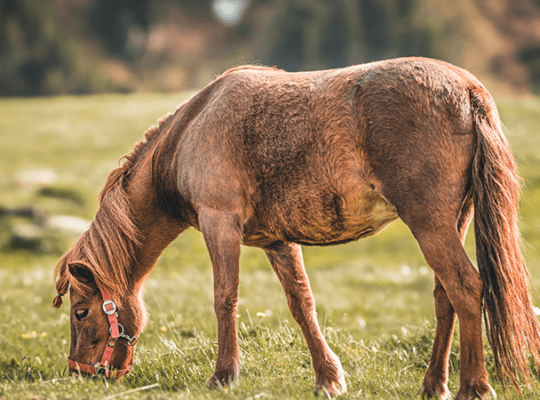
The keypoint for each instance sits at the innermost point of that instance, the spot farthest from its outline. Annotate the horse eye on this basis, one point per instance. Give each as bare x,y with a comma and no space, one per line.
81,314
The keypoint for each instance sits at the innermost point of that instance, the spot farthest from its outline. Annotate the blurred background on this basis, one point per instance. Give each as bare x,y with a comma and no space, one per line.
53,47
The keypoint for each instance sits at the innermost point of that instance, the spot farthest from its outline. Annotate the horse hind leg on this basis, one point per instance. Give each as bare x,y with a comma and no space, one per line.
435,385
463,286
287,262
424,171
432,220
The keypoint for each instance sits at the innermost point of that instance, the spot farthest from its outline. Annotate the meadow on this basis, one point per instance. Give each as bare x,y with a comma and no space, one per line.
374,297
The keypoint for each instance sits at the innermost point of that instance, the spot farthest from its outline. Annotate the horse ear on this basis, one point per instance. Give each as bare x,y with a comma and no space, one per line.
81,272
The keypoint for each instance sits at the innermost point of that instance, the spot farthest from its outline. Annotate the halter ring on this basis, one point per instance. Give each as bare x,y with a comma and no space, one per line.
132,340
107,310
100,368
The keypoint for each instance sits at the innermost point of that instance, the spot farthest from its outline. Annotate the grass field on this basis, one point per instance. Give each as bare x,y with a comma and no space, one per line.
373,297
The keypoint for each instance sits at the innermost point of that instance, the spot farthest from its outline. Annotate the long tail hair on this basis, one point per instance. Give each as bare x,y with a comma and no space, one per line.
512,327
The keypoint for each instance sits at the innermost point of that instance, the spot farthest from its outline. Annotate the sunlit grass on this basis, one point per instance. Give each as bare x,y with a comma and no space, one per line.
373,297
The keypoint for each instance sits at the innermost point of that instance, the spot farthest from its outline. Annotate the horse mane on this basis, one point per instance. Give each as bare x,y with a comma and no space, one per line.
248,67
107,248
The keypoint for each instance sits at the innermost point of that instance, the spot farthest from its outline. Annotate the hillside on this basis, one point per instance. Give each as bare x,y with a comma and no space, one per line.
88,46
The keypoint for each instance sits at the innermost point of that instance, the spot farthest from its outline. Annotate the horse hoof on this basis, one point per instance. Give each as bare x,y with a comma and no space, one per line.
330,378
490,395
216,383
486,393
331,389
425,394
224,376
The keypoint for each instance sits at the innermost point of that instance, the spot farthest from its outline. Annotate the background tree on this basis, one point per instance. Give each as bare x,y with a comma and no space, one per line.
87,46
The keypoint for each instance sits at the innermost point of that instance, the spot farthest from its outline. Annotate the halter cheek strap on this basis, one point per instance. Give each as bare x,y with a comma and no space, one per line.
116,331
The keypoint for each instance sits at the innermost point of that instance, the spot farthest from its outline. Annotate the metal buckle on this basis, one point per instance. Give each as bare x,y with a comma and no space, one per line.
106,303
100,368
132,340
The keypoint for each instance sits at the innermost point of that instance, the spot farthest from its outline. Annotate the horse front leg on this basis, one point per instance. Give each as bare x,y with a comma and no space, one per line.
287,262
222,234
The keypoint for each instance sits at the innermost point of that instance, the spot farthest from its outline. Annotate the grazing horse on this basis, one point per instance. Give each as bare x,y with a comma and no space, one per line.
276,160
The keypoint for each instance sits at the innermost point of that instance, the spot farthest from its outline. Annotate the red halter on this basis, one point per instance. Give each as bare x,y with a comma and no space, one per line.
116,331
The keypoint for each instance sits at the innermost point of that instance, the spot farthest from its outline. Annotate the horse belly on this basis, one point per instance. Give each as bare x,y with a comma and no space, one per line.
358,215
321,222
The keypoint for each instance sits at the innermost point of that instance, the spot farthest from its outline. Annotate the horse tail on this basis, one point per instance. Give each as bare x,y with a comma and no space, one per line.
512,327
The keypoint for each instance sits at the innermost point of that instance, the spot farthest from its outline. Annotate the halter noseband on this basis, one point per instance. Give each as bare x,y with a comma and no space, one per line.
116,331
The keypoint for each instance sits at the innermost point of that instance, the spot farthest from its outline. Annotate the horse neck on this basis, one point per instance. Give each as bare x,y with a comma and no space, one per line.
157,228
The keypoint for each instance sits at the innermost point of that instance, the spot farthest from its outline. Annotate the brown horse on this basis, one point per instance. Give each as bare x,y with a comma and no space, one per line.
271,159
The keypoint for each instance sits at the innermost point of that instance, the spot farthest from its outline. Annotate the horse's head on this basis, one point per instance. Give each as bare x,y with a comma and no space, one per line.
104,328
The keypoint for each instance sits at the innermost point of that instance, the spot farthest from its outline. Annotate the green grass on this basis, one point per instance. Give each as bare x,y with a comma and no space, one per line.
373,297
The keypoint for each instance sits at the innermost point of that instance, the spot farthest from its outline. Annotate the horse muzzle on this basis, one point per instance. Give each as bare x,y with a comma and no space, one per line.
81,369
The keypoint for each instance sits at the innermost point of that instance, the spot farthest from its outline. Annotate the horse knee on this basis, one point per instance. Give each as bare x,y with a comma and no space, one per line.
439,292
458,278
225,301
469,303
474,284
443,306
